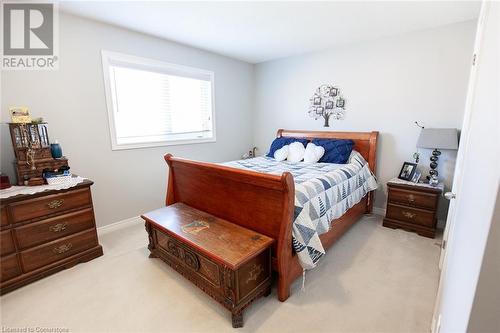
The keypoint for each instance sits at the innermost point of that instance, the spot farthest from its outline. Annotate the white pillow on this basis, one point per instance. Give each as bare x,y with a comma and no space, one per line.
296,152
313,153
281,154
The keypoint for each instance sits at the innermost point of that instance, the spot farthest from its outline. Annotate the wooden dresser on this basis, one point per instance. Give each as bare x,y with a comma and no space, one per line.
230,263
44,233
412,207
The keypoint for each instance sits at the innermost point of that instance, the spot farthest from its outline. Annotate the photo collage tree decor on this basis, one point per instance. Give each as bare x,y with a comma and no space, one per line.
327,102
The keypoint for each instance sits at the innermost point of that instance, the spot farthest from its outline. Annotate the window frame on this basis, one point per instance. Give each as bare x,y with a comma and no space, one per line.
110,58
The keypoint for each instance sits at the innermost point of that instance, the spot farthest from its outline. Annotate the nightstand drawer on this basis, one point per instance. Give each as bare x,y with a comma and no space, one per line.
412,215
413,199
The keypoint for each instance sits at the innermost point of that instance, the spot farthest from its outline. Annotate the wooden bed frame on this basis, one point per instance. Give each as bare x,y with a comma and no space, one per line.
263,202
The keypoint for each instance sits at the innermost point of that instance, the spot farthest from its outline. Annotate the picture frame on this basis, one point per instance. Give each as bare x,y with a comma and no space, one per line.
329,105
416,176
317,101
407,171
340,103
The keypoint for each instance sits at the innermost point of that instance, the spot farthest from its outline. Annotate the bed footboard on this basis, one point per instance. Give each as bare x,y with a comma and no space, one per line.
257,201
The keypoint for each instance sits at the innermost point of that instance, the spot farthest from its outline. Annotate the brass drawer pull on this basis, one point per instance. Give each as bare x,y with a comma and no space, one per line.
58,227
55,203
411,198
63,248
409,215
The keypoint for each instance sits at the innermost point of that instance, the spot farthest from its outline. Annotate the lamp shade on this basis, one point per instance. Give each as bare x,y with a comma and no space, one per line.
438,138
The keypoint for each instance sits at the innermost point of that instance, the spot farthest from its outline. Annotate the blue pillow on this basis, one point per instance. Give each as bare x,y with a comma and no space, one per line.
336,150
278,143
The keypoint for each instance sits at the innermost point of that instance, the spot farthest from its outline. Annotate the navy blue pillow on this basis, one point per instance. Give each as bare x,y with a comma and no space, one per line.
336,150
278,143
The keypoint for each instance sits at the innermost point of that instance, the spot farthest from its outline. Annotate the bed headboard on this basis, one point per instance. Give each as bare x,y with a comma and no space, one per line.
364,142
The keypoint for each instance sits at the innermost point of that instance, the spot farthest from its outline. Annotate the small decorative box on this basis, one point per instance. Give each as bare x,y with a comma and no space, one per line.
58,179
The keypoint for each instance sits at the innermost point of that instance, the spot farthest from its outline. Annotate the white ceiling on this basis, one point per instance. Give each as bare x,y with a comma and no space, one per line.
261,31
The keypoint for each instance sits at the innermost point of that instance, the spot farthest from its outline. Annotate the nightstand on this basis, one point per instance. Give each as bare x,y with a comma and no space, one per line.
412,206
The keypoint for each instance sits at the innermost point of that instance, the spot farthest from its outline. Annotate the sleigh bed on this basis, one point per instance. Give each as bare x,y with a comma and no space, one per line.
264,202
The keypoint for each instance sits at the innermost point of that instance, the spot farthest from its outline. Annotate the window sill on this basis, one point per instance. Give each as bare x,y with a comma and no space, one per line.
115,146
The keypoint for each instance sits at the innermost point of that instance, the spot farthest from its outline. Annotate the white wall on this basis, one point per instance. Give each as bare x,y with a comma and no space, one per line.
72,101
388,84
486,307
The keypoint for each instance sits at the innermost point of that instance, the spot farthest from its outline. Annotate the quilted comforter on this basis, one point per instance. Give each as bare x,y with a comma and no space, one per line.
323,193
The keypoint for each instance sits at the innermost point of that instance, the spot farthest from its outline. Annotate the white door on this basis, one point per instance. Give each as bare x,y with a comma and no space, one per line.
458,175
476,181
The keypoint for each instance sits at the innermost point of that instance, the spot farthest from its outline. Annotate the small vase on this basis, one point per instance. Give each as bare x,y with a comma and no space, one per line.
56,150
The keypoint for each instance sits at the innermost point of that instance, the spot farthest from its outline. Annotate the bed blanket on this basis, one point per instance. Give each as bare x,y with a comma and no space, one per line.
323,193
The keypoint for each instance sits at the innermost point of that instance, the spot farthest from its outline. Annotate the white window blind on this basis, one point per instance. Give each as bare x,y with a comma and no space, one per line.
155,103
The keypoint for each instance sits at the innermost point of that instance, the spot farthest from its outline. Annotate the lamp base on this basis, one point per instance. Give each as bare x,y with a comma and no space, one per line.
433,181
433,173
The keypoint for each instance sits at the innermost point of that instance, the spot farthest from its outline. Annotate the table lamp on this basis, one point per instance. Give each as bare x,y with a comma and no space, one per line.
437,138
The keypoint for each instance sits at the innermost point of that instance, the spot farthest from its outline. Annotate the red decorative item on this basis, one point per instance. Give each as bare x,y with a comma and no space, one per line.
4,182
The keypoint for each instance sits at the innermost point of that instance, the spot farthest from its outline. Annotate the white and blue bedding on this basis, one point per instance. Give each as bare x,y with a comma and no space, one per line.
323,193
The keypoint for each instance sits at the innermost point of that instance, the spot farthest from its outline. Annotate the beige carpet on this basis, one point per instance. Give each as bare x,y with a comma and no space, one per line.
374,279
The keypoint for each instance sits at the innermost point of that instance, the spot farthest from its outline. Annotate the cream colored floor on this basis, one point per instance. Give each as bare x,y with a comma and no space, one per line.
373,280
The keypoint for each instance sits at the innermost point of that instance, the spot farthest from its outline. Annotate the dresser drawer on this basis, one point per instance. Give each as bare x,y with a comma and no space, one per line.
412,215
4,220
51,204
54,228
54,251
413,199
188,258
7,243
9,267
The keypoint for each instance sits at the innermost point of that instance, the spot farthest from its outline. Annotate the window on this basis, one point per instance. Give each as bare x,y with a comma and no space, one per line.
152,103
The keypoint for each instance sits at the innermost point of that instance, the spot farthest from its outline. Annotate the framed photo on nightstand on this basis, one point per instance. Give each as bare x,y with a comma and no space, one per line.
416,176
408,171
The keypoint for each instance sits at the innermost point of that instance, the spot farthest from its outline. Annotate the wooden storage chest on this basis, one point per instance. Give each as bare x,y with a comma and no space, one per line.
228,262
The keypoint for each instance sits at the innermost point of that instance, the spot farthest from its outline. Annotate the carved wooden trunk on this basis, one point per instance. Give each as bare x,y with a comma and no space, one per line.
45,232
228,262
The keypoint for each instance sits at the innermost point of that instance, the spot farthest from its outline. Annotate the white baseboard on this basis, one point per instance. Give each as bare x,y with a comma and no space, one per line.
379,211
136,219
119,225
